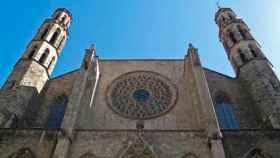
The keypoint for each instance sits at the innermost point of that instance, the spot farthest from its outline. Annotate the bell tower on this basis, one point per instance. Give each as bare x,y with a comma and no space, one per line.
253,69
34,68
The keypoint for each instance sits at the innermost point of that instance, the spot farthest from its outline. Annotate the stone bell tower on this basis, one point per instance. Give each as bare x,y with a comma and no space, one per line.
253,69
34,68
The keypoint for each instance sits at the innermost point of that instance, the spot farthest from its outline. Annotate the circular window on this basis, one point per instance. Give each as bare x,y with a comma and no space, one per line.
141,95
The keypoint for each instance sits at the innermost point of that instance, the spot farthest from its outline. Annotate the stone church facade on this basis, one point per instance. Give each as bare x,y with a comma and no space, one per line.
141,108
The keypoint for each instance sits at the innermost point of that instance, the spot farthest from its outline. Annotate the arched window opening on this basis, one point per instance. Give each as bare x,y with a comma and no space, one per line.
23,153
225,112
230,16
223,19
85,65
232,37
63,19
44,56
61,42
55,36
189,155
258,153
51,63
57,111
243,57
31,54
57,16
253,51
88,155
242,32
44,34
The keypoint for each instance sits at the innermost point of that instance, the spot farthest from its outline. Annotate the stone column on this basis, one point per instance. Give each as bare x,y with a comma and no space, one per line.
203,101
89,74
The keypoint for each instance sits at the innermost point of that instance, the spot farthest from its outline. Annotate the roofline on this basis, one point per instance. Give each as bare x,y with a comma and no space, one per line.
207,69
62,75
141,59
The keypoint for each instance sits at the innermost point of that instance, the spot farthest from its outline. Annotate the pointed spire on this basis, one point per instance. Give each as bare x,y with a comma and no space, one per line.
92,49
193,53
191,48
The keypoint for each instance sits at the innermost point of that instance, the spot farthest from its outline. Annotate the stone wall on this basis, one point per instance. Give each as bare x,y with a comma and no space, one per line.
162,144
239,143
40,143
240,99
264,86
59,86
100,115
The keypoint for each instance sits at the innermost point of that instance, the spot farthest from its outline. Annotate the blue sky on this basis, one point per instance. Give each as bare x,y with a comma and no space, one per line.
137,29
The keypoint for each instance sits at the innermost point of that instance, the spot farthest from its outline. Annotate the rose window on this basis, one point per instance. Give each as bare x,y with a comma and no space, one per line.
141,95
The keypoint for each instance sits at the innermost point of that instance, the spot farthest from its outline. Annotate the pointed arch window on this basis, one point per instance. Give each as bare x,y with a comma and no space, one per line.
55,36
231,17
57,16
189,155
253,51
242,56
242,31
225,112
23,153
232,37
223,19
44,34
57,111
88,155
258,153
31,54
44,56
61,42
63,19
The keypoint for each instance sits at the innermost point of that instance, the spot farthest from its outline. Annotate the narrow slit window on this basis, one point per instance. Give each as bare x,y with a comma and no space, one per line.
242,56
230,16
253,51
44,34
63,19
55,36
232,37
31,54
44,56
242,32
61,42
